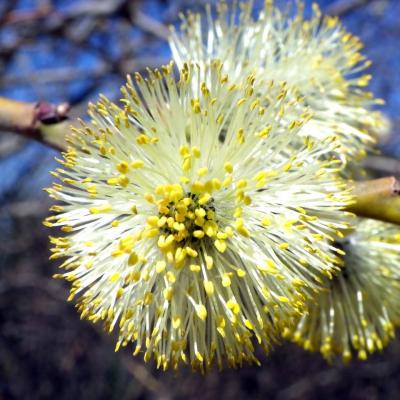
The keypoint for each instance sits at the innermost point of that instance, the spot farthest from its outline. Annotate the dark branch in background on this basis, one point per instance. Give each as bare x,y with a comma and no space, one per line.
382,164
343,7
75,25
149,24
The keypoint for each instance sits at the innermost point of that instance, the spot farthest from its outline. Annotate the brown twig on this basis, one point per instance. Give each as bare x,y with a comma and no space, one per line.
377,199
41,121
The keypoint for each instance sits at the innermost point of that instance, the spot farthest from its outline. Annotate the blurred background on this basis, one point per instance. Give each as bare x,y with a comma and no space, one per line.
70,51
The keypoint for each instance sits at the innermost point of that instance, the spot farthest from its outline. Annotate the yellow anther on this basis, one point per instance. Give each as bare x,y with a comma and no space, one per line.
283,299
269,267
362,354
161,266
261,183
57,208
180,255
209,262
150,198
209,287
222,235
202,171
264,132
198,234
196,106
216,183
180,217
185,180
201,312
178,226
133,259
123,167
364,80
149,233
227,181
240,228
199,356
100,209
187,164
160,190
239,195
92,189
283,246
145,275
298,282
210,228
241,101
67,228
228,167
198,187
241,273
187,201
266,221
171,277
220,245
204,198
248,324
191,252
200,212
137,164
240,136
123,180
247,200
148,298
238,212
114,277
287,166
233,306
168,293
162,243
226,280
176,322
161,221
259,175
196,152
134,209
142,139
120,292
241,184
270,263
69,181
195,268
153,220
254,104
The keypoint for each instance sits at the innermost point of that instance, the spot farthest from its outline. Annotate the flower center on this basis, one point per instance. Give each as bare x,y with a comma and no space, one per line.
185,220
